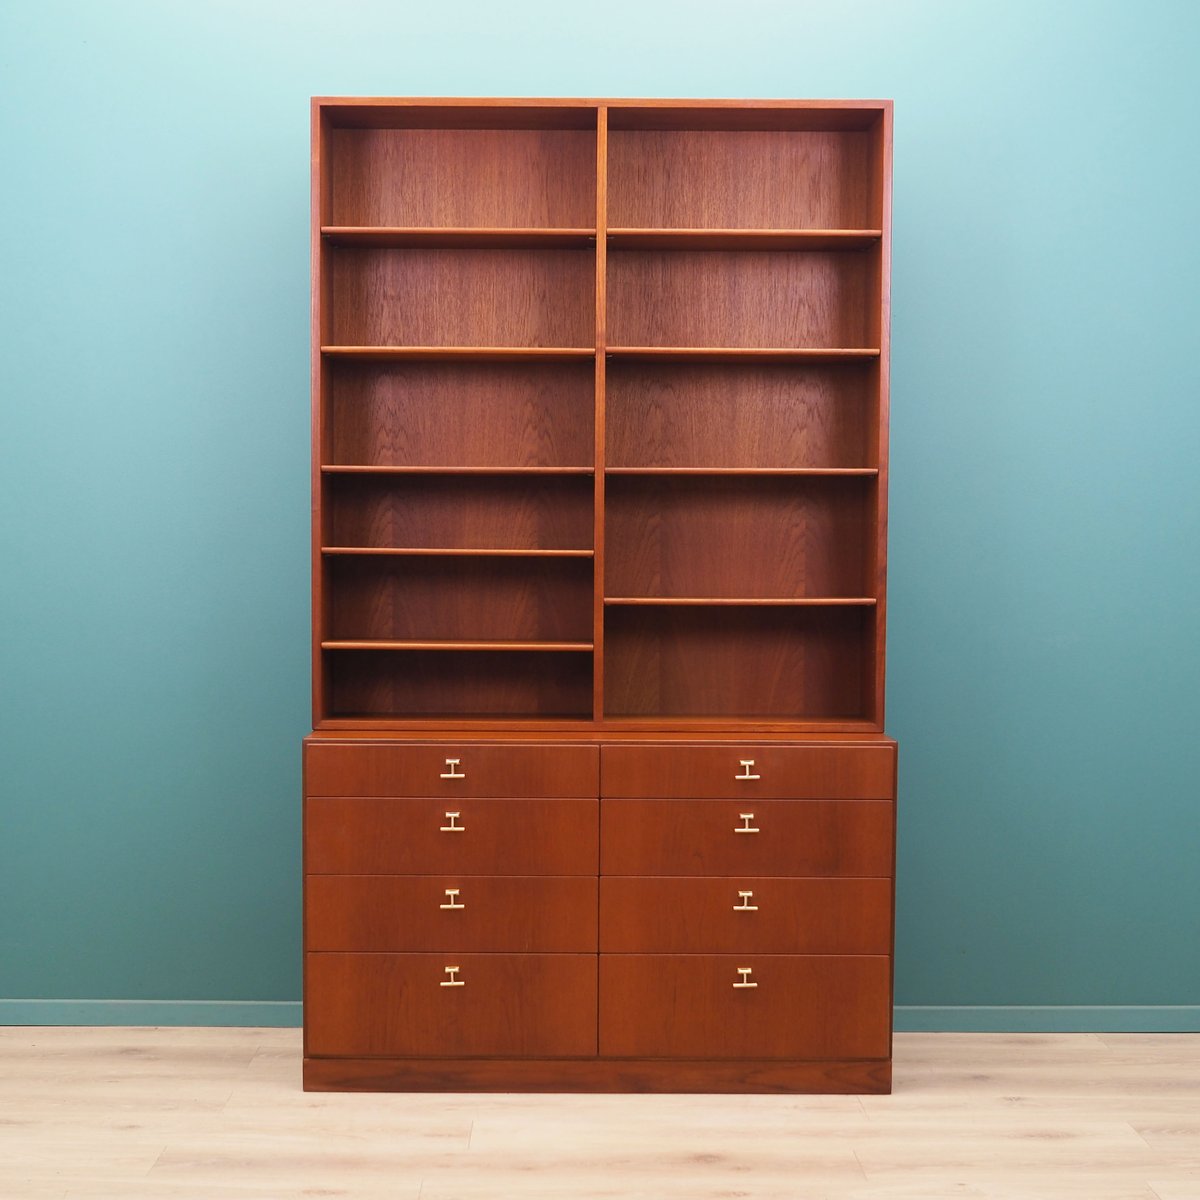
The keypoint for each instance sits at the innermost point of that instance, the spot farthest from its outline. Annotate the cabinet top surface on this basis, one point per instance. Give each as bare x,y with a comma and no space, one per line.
580,113
610,737
593,102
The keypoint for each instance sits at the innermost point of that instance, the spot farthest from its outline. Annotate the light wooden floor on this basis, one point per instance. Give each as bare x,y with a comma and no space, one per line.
218,1114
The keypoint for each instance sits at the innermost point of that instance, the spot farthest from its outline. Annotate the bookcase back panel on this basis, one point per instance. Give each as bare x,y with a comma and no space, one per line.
692,536
458,685
774,116
498,116
447,178
462,414
462,297
739,179
797,299
728,415
751,663
447,599
492,512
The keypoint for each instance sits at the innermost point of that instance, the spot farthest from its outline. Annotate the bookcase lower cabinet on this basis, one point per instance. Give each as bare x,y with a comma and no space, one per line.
598,915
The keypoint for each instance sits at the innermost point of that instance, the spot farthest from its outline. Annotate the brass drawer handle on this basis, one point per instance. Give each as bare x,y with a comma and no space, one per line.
747,763
453,894
454,772
453,981
745,826
453,826
744,904
745,981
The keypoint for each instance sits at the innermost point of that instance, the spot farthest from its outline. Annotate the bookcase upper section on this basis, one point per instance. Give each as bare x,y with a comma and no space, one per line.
600,403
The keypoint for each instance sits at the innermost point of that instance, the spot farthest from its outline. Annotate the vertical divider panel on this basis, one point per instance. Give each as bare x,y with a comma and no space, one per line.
599,458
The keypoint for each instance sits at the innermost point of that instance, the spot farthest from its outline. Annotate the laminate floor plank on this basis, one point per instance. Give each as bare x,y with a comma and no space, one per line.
1174,1188
28,1190
219,1114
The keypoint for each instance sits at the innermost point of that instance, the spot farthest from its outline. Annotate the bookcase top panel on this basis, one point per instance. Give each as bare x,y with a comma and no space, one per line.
368,112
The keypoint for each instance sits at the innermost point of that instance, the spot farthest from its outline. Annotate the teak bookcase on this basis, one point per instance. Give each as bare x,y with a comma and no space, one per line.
598,795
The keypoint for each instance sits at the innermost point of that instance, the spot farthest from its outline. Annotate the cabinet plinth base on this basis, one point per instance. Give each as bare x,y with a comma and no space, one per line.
847,1077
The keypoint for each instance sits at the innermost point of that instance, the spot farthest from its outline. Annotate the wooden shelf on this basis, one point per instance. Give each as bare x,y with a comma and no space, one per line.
380,470
742,239
570,647
401,237
459,353
744,353
802,471
743,601
452,552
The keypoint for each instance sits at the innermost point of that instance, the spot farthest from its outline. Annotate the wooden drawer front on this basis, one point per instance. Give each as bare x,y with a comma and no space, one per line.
450,769
374,836
733,916
712,772
535,914
794,837
396,1004
687,1006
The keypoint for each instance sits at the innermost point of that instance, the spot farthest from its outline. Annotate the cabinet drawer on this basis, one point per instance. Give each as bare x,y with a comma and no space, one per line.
450,769
756,838
501,1004
734,916
361,835
749,771
516,914
686,1006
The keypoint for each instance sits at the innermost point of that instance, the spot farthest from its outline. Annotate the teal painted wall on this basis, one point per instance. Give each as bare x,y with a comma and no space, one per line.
1045,539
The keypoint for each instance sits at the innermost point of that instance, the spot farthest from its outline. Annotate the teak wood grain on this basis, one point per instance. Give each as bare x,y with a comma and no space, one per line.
749,665
698,771
480,913
707,1075
424,769
461,297
687,1005
507,1004
740,179
732,536
697,837
520,178
664,915
743,298
469,512
462,414
475,598
374,835
456,112
739,415
399,686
